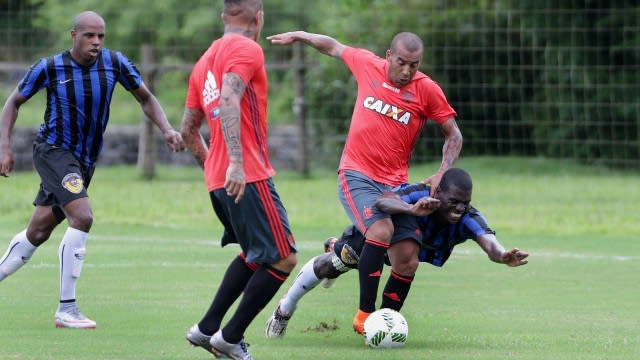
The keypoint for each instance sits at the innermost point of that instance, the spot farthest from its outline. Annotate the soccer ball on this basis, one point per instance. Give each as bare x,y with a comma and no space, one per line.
386,328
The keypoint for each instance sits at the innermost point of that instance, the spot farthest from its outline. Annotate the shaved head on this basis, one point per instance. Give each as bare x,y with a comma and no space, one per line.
87,18
410,41
456,177
88,37
244,17
404,57
244,10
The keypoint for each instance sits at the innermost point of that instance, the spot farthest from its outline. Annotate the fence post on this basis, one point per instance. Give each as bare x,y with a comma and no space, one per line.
300,109
146,143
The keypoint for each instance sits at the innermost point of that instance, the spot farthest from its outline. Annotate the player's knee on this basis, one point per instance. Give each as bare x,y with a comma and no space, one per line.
38,234
406,268
323,266
381,230
81,221
385,234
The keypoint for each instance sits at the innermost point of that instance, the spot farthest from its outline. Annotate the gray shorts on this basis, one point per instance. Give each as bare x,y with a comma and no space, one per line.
259,223
358,194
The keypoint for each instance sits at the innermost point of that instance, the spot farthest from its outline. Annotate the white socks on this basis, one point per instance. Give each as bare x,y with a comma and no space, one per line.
71,254
305,281
19,252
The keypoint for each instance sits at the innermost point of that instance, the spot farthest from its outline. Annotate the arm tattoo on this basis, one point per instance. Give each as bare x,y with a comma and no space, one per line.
190,130
452,146
231,95
451,150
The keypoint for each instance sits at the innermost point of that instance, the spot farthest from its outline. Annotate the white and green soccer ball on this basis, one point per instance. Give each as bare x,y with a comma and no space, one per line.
386,328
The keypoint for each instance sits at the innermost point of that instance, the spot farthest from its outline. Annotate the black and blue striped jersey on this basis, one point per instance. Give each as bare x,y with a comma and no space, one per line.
78,99
438,241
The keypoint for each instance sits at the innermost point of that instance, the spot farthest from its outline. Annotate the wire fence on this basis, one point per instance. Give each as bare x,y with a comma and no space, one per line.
558,79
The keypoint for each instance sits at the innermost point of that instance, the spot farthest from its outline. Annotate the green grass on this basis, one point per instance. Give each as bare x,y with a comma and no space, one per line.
154,262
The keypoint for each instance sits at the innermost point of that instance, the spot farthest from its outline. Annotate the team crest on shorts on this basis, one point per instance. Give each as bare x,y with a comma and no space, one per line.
73,182
347,255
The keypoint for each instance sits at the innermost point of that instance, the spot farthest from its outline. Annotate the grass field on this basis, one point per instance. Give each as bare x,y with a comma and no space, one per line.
154,262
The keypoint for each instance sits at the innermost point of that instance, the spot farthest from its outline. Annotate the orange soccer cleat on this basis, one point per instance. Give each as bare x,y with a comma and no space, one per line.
358,321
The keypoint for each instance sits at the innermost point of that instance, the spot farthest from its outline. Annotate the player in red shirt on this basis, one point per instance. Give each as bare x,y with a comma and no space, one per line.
394,102
228,87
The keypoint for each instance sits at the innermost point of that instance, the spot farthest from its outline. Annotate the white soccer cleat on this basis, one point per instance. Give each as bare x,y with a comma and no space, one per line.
197,339
220,348
277,325
72,318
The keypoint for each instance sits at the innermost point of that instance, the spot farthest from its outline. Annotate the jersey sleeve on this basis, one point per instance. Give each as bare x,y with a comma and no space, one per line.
413,192
244,60
129,75
474,224
438,107
192,100
357,59
35,79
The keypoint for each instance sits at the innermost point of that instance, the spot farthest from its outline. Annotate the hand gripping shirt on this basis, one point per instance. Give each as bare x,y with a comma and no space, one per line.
78,99
387,120
243,57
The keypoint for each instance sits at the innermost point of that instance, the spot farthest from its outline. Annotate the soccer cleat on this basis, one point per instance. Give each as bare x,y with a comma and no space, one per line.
197,339
328,244
328,247
277,325
72,318
358,321
220,347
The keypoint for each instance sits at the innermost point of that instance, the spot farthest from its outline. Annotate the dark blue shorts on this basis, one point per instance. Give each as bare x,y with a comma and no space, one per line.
62,177
259,223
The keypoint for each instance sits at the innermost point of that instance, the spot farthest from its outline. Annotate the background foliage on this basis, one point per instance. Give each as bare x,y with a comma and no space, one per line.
532,77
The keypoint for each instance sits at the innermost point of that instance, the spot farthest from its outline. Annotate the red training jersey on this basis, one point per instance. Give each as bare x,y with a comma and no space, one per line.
243,57
387,120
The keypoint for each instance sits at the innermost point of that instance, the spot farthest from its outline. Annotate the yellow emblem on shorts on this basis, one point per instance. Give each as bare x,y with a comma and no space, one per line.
73,182
346,255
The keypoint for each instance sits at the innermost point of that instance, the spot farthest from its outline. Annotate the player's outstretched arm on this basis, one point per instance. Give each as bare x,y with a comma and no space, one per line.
514,257
496,252
323,43
154,111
